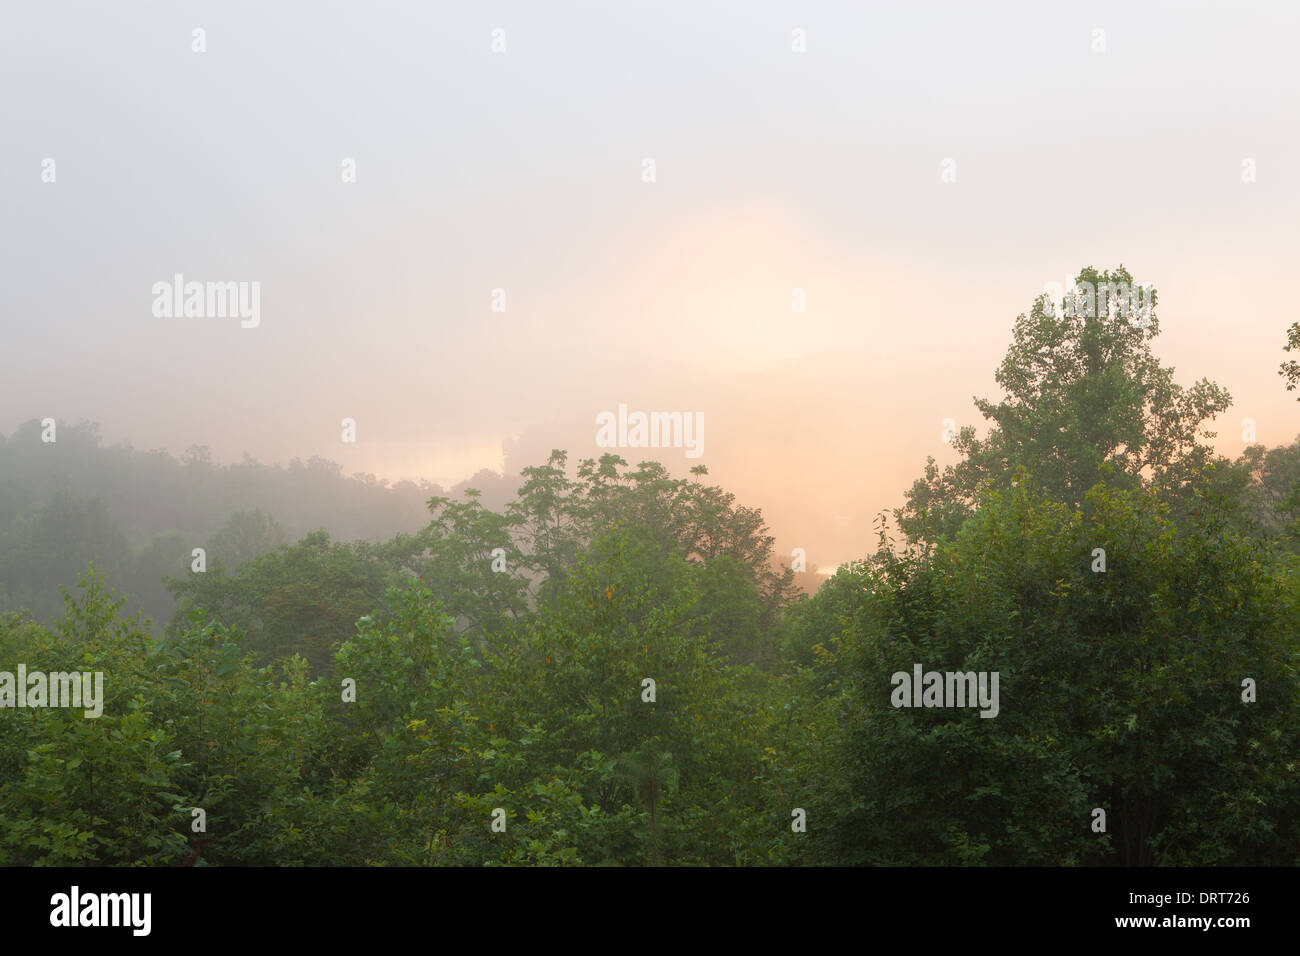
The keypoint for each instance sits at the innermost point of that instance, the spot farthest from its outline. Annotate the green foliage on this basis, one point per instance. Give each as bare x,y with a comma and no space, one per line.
298,600
1086,400
458,550
1290,370
87,791
1119,690
55,542
516,681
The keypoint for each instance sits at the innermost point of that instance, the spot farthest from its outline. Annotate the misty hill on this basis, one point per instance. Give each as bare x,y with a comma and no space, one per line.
138,514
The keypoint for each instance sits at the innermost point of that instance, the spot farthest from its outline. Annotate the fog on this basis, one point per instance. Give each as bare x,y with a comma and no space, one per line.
522,169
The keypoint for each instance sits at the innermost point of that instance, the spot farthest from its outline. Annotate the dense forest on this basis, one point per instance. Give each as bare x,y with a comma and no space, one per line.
609,664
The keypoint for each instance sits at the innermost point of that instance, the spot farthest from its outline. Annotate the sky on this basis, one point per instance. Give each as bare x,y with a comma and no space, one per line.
391,175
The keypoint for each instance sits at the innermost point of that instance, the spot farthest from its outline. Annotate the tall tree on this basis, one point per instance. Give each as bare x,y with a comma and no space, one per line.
1085,397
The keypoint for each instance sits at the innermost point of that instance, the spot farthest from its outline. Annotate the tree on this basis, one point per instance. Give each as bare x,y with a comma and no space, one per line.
246,535
650,782
1085,398
1268,483
94,791
303,599
48,548
1290,369
1120,690
468,558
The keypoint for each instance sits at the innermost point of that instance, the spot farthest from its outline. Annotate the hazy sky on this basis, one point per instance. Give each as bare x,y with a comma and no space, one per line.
522,170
